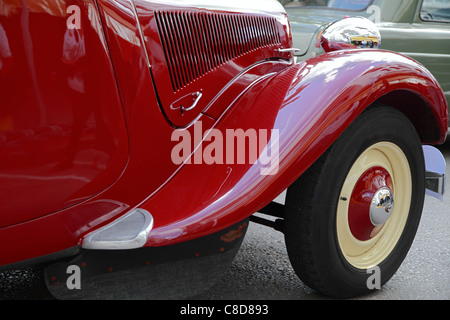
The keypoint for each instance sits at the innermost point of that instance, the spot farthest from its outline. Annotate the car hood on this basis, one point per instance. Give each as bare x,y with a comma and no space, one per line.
305,24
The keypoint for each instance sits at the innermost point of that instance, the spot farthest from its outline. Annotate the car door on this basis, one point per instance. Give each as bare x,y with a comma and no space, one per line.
63,137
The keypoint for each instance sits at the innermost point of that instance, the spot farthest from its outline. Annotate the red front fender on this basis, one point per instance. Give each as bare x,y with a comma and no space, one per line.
310,105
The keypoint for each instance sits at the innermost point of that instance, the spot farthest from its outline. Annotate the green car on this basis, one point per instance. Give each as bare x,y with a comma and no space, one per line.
419,29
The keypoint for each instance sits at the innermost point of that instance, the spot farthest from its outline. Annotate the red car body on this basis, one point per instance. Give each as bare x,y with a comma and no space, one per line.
87,115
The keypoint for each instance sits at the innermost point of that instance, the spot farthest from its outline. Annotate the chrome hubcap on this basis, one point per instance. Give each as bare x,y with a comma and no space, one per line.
381,206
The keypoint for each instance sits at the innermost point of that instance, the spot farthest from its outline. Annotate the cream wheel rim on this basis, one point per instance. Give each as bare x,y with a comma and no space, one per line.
363,254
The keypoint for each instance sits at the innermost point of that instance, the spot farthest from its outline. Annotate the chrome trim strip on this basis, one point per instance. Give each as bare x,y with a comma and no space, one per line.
141,34
289,50
127,232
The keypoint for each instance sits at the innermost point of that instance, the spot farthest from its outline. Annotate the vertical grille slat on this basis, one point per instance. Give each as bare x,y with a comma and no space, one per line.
162,30
181,36
191,45
236,36
195,43
176,46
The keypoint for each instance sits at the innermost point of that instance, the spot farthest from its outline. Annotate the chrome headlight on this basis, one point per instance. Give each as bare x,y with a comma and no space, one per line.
351,33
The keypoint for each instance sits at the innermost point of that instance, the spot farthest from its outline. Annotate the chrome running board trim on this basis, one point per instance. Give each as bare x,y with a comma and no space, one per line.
127,232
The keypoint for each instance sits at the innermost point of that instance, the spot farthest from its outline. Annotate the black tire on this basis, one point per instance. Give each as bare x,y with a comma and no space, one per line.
312,201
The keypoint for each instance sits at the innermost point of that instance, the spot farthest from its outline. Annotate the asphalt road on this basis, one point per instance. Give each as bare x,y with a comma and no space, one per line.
261,269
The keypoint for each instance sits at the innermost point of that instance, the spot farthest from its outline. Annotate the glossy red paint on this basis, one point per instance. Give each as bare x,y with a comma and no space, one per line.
63,138
359,203
123,158
62,132
310,104
146,162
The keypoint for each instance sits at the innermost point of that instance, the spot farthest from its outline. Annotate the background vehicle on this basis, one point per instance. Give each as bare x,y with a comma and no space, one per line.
88,119
418,29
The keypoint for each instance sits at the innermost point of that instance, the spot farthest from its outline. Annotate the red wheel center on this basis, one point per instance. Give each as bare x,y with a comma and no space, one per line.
366,187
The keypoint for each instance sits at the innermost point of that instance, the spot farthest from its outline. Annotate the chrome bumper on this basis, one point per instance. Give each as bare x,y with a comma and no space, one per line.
435,172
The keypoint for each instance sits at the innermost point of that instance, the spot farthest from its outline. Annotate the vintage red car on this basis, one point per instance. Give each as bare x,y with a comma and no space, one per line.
139,137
